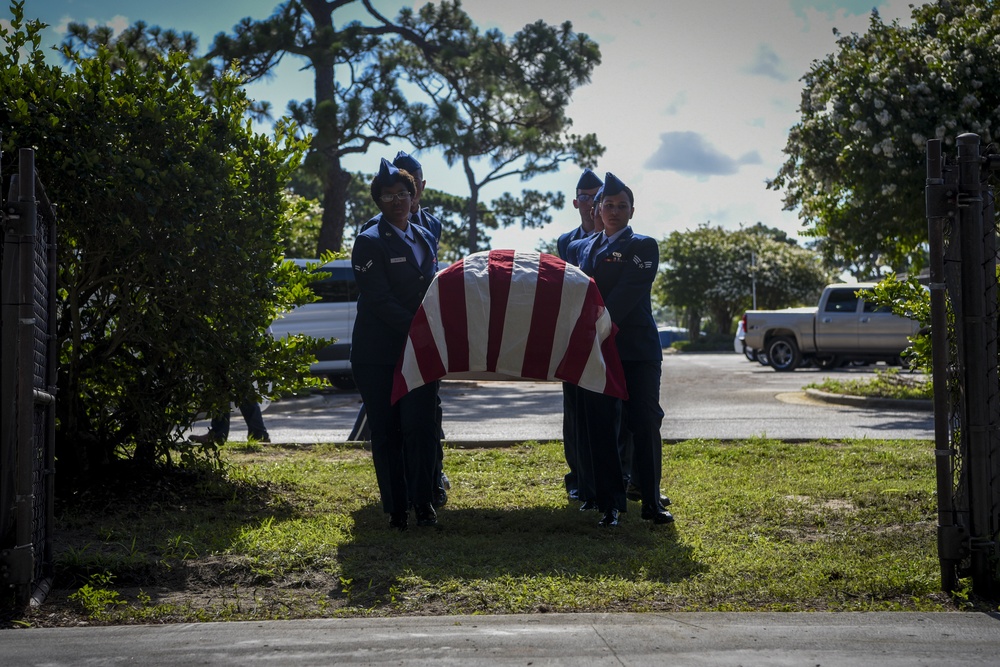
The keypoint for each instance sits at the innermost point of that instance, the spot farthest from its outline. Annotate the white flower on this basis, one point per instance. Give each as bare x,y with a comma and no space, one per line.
970,101
918,139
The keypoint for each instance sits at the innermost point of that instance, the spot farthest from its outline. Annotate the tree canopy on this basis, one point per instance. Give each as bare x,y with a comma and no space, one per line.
856,159
498,107
713,271
481,97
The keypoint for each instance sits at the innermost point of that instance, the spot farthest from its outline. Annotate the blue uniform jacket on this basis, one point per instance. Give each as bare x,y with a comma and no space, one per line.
624,273
562,244
572,254
423,218
391,287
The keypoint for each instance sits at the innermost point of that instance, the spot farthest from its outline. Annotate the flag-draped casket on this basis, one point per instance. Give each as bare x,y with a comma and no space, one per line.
519,314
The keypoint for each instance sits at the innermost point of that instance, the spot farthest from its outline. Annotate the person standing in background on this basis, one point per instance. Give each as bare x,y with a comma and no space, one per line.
579,479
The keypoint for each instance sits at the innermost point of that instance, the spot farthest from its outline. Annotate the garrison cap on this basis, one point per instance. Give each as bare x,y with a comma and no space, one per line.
407,162
614,186
588,181
387,173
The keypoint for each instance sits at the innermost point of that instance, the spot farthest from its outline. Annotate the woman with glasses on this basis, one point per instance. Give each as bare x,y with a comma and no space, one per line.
394,263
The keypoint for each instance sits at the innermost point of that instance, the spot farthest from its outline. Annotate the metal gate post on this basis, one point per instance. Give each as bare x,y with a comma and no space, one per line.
976,425
940,199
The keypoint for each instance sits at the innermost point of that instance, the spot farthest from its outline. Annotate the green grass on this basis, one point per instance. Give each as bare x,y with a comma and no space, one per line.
297,531
888,383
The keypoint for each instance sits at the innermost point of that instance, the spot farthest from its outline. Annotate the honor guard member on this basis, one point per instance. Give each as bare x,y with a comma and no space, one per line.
424,218
578,481
418,216
394,263
583,202
624,435
624,264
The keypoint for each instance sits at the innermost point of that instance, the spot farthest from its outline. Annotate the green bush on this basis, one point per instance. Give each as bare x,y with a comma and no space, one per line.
706,343
170,222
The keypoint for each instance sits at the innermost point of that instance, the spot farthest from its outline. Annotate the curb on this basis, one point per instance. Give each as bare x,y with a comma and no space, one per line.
296,403
920,405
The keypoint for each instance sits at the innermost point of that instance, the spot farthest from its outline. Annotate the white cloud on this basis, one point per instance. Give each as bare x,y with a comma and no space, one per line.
767,63
690,153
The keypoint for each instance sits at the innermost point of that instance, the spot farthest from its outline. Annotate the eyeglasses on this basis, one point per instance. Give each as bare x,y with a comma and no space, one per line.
621,208
399,196
582,196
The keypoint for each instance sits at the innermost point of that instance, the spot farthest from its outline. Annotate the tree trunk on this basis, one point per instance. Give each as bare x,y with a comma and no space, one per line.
693,324
472,209
331,232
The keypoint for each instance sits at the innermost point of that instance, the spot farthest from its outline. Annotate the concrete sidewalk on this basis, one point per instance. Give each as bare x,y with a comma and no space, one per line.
746,639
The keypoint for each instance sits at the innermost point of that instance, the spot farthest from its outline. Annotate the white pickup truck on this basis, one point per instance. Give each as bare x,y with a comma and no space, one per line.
842,328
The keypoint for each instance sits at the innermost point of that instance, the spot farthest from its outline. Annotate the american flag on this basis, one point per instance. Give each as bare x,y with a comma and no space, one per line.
519,314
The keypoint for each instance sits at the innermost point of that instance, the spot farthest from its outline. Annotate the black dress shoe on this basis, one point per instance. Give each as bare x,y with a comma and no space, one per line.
589,505
426,516
440,498
657,515
610,518
632,493
398,520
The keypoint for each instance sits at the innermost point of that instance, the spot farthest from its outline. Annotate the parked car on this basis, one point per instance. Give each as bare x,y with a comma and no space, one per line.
843,328
669,335
332,316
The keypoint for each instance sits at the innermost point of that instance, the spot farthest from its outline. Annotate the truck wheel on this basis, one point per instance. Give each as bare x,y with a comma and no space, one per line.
750,353
762,358
343,382
783,354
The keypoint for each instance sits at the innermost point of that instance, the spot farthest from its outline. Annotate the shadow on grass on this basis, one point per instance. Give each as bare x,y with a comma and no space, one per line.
146,525
486,545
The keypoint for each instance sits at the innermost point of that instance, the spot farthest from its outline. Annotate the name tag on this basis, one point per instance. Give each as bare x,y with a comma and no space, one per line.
396,260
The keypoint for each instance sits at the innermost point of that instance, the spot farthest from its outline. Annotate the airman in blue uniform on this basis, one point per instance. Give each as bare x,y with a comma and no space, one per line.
579,480
424,218
394,263
624,264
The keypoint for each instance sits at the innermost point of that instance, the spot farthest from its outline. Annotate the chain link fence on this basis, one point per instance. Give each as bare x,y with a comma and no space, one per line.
963,286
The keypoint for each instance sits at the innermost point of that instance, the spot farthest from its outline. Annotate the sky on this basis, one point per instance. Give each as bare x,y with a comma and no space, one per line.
692,100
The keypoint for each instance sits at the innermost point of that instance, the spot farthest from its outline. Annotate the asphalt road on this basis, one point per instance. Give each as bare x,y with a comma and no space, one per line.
714,396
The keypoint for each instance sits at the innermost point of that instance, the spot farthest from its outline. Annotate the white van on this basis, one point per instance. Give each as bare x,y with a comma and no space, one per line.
332,316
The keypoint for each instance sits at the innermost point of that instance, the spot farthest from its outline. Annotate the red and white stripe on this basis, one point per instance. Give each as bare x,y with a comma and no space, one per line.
520,314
